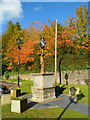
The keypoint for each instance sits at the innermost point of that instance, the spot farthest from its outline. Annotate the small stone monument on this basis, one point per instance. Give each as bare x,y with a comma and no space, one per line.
77,90
43,88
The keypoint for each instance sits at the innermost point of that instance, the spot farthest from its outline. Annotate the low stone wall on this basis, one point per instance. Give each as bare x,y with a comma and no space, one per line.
23,76
72,77
76,77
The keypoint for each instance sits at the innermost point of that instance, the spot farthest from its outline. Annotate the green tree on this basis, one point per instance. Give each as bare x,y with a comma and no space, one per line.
7,35
5,40
81,29
12,32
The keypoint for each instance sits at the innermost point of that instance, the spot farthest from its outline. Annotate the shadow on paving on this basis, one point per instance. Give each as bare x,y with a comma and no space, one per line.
31,104
79,97
24,93
63,101
71,101
59,90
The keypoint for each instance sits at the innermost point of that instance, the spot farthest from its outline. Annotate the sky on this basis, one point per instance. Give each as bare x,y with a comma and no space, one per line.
28,12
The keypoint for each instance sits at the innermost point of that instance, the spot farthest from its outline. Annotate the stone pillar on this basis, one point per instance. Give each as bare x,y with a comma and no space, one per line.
43,88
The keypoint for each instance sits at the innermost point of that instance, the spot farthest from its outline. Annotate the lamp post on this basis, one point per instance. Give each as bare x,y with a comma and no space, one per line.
56,51
42,44
66,77
19,43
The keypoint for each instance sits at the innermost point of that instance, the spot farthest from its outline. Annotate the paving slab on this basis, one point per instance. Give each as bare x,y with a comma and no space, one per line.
62,101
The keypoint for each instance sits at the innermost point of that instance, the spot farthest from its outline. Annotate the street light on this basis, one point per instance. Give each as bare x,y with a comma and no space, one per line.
66,77
19,43
56,51
42,44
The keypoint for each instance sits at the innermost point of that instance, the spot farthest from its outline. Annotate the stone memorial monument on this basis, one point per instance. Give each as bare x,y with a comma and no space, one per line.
43,88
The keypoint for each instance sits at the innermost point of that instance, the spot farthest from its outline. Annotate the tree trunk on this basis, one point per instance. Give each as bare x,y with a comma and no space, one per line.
60,61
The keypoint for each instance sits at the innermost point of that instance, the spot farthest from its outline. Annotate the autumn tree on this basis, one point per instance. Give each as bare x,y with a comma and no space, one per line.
72,39
81,30
75,34
7,35
30,39
9,42
5,40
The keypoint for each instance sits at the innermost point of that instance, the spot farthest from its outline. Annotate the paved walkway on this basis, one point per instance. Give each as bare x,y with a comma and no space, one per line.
61,101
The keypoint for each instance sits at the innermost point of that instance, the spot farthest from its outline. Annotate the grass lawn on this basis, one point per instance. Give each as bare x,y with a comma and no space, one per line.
84,89
46,113
25,85
42,113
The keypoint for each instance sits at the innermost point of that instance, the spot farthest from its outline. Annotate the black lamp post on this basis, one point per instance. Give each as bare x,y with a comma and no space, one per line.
19,43
66,77
42,44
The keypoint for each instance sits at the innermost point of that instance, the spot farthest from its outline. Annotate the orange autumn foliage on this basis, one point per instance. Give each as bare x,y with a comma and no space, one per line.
26,52
32,37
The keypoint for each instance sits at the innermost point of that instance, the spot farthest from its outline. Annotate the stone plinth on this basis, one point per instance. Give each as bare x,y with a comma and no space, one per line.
15,93
43,88
18,106
41,94
43,80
